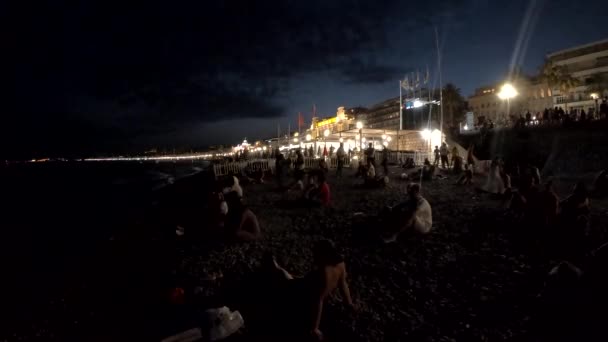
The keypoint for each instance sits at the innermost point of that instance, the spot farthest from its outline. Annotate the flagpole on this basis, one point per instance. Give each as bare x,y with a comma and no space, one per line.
440,82
400,107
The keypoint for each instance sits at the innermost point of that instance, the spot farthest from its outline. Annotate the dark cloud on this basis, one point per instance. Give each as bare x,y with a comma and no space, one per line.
155,65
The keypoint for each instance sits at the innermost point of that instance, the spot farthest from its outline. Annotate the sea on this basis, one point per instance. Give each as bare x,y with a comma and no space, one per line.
57,215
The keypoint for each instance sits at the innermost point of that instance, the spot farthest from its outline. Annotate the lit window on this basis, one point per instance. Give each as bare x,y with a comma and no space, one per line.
549,92
542,93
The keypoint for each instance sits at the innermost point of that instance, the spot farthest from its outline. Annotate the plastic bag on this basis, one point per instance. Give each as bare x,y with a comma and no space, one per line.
222,323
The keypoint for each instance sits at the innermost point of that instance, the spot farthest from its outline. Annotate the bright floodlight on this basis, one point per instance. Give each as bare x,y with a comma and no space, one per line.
295,140
363,139
264,148
359,124
326,133
383,136
385,143
507,92
308,137
296,134
389,139
594,96
418,104
426,134
341,140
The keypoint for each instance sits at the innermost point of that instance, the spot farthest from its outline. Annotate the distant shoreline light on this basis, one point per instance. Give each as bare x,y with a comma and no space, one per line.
159,158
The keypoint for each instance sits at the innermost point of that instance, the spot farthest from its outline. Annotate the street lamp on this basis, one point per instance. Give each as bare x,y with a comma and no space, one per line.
360,137
507,92
325,135
308,137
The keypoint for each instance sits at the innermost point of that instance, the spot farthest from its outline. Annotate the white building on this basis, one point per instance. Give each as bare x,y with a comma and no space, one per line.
582,63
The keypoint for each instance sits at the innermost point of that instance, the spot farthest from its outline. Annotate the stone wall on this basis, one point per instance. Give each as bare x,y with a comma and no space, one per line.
580,148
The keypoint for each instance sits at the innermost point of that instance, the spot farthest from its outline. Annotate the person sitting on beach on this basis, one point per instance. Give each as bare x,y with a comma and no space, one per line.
575,208
408,163
466,178
548,205
323,168
523,202
494,183
308,294
428,170
600,185
414,214
370,175
217,209
232,185
297,190
318,194
241,222
457,165
361,170
532,172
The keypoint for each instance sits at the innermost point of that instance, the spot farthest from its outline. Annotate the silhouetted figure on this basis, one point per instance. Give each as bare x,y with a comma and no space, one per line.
443,152
385,160
341,156
241,222
369,154
413,215
437,156
466,178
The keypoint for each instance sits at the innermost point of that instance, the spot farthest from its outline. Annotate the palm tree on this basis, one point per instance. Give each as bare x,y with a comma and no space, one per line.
557,78
453,101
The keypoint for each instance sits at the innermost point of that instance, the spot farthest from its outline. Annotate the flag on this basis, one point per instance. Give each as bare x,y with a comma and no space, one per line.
405,84
426,77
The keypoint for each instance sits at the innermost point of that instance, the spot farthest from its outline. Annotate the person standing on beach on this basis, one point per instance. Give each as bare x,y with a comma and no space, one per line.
443,152
437,156
385,160
369,154
299,172
455,155
340,155
471,158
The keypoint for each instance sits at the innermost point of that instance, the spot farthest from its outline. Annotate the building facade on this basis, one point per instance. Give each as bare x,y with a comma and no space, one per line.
582,63
384,115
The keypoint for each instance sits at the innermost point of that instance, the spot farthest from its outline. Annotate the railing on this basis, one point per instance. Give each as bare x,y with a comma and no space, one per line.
237,167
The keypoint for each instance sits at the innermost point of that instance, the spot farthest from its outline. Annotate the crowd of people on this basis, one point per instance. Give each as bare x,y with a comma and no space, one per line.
527,200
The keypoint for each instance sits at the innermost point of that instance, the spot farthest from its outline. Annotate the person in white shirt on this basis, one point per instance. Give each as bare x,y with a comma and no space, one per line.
236,187
415,214
371,171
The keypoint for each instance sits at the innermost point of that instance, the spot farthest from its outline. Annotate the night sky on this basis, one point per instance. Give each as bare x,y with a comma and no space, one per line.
100,77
